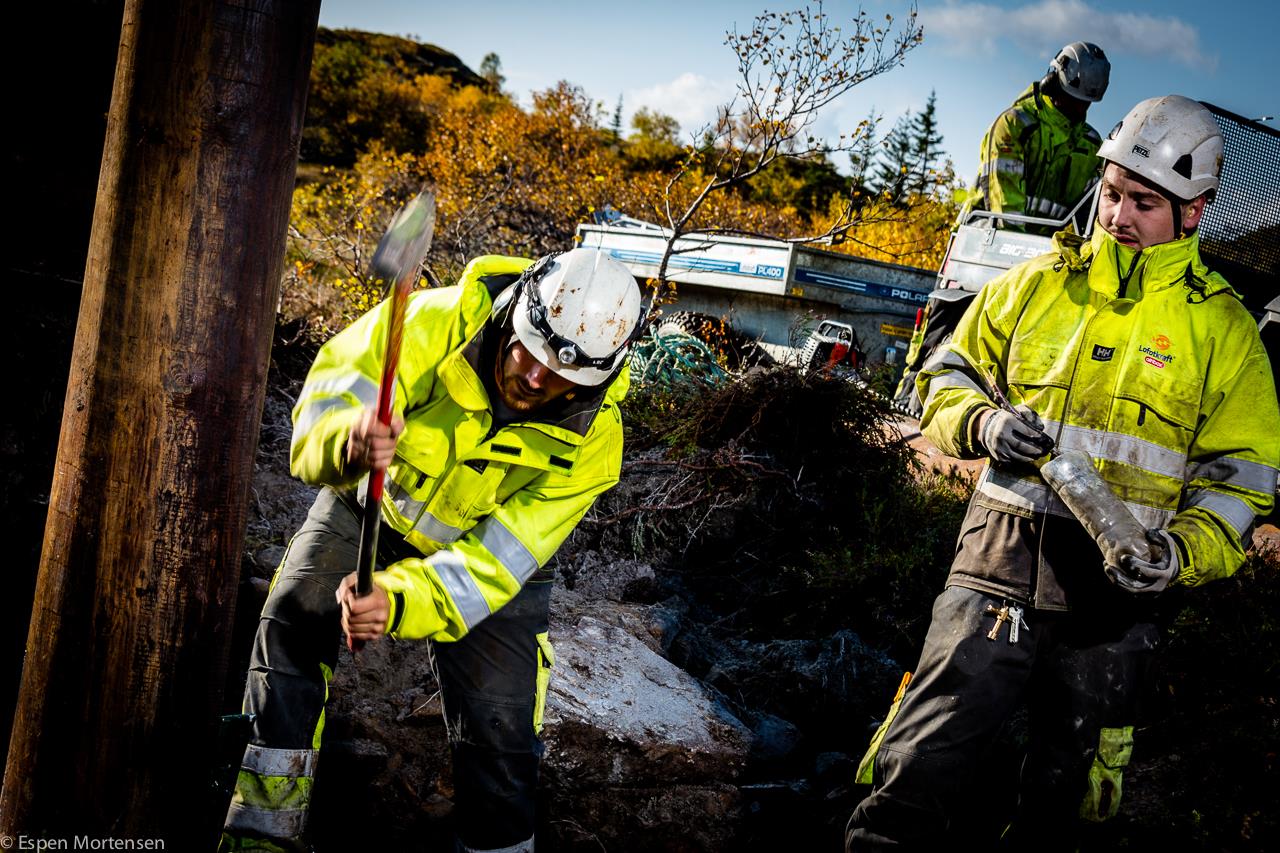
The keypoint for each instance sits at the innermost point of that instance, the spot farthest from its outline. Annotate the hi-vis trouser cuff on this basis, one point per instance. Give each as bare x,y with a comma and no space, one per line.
1106,774
273,792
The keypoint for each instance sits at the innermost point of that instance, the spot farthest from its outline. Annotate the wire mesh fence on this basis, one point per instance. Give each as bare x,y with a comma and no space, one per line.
1240,231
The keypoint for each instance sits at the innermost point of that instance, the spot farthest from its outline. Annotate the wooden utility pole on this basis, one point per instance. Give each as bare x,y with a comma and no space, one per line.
117,713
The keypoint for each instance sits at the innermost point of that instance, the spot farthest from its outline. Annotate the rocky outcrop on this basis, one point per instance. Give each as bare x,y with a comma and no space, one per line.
640,755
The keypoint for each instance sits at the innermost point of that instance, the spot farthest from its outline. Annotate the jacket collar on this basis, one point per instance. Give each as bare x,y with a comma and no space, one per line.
1046,110
1148,270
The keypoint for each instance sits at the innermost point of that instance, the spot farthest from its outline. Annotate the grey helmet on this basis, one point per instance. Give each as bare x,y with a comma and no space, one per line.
1083,70
1173,142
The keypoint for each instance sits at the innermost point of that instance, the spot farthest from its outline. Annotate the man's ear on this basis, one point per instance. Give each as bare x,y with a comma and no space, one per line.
1191,213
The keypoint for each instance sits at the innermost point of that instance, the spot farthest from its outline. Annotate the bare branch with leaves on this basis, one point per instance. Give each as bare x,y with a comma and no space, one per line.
791,65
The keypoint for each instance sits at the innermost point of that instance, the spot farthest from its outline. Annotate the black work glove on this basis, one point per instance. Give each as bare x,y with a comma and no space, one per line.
1141,576
1010,439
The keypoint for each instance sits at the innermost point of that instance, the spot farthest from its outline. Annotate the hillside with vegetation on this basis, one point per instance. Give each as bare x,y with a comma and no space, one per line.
386,116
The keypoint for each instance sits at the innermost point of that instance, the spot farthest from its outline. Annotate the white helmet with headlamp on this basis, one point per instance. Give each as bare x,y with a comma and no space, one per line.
578,313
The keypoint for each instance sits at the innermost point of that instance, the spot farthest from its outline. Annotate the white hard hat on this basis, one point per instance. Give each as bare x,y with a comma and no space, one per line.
1083,70
1173,142
578,312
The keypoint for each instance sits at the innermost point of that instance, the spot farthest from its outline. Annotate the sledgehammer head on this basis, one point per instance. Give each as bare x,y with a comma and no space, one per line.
407,241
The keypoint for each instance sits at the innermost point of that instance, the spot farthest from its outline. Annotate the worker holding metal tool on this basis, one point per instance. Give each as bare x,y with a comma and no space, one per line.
1128,352
504,429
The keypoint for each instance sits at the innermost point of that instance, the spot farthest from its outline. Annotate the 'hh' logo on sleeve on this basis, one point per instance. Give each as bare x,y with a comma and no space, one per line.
1101,353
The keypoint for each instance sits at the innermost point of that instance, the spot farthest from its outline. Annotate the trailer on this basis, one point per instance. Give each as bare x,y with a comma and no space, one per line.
774,291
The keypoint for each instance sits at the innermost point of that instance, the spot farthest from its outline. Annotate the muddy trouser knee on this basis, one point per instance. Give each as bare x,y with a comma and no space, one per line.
489,684
964,688
1084,705
292,662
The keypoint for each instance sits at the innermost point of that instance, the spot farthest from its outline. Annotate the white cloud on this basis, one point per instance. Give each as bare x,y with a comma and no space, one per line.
1047,25
690,99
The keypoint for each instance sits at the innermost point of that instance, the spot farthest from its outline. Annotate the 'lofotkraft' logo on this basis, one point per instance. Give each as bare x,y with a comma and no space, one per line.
1155,358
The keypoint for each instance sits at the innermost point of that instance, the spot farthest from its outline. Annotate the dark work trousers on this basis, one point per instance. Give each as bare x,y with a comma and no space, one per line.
487,681
1077,674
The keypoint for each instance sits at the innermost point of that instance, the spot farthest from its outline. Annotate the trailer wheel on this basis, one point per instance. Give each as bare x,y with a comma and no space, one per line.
738,350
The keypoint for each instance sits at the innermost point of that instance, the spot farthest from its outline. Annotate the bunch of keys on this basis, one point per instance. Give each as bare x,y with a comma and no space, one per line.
1010,613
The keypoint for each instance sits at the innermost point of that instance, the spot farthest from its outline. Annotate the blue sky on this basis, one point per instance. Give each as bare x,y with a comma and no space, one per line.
977,54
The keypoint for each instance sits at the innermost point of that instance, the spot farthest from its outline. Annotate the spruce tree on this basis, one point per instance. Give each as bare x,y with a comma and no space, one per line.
926,146
897,161
615,127
862,156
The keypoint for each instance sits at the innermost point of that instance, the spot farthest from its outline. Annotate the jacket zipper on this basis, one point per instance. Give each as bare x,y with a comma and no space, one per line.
1075,368
1034,589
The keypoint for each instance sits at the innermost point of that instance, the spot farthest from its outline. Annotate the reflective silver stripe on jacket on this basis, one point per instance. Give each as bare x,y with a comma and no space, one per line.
1007,165
1118,447
267,761
1046,207
273,823
1240,473
956,375
331,391
423,522
1236,512
522,847
509,551
461,587
1035,496
433,528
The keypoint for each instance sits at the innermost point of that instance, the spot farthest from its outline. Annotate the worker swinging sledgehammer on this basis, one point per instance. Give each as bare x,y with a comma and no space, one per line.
505,430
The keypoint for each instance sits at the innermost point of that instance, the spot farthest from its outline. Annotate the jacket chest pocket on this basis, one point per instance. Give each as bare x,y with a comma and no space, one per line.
468,493
1035,364
1160,392
421,456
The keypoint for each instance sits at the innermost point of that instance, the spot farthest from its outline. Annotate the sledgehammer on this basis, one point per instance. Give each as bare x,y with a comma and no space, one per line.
396,261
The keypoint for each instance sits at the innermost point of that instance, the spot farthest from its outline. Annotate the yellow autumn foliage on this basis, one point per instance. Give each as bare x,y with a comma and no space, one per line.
517,181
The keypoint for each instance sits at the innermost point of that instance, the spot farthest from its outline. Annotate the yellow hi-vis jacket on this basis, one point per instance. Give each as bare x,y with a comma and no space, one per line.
1035,161
486,507
1146,361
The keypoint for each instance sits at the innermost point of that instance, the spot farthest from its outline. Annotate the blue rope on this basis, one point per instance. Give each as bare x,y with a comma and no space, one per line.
672,358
